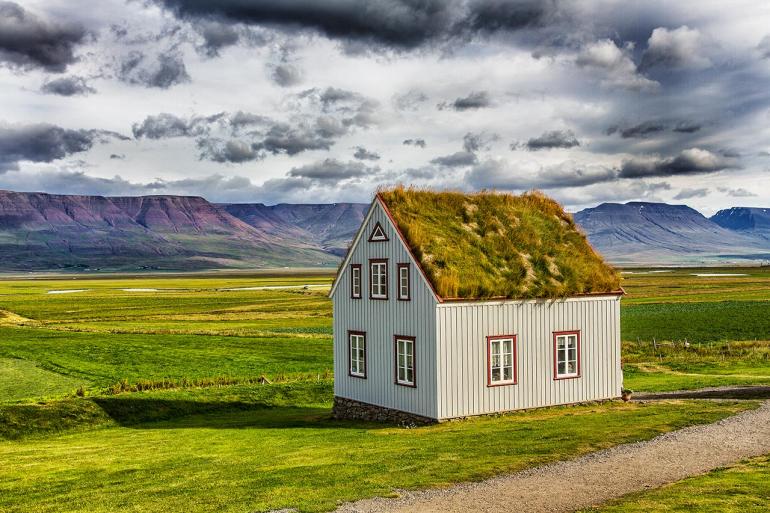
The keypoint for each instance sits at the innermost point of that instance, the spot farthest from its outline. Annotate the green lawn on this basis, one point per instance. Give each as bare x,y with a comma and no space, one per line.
743,488
22,379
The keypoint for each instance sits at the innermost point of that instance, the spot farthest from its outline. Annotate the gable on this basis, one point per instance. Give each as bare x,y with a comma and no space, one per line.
378,236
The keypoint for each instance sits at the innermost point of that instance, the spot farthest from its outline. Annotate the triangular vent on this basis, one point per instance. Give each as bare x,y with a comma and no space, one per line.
378,234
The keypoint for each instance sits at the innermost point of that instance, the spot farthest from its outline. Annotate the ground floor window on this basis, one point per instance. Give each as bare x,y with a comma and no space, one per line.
357,350
566,347
501,360
405,368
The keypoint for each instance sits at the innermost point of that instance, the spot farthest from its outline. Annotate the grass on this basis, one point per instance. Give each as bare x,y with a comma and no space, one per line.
498,245
229,450
22,379
743,488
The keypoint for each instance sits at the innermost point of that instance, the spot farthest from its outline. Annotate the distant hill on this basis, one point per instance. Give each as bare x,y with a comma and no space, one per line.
640,232
51,231
748,220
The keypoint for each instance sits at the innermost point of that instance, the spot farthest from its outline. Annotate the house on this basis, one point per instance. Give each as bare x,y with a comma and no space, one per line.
450,305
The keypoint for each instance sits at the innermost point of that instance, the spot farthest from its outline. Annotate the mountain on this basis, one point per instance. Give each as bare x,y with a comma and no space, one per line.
51,231
748,220
329,226
654,233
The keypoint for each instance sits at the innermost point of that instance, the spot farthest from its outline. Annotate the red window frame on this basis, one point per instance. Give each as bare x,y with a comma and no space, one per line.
366,355
515,360
556,376
359,267
396,338
371,277
408,268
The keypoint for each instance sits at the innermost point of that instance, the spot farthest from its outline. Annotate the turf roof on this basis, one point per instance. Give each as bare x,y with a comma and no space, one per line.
486,244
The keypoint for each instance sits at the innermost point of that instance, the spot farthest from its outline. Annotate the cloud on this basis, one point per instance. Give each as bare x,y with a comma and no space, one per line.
474,100
233,150
640,130
499,174
67,86
364,154
616,66
480,141
764,47
678,48
396,24
331,170
458,159
286,75
163,126
692,193
687,127
410,100
27,42
216,36
415,142
117,156
550,140
164,71
43,142
690,161
736,193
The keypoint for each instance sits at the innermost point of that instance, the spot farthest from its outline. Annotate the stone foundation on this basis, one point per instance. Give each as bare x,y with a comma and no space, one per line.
357,410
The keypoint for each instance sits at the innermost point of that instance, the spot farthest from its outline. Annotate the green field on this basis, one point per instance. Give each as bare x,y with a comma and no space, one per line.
77,433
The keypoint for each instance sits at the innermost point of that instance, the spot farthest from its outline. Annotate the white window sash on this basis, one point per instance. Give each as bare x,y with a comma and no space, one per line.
357,355
379,272
502,361
566,344
405,361
403,277
356,282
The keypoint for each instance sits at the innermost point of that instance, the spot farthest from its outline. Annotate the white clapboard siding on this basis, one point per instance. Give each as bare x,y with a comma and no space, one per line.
462,329
381,320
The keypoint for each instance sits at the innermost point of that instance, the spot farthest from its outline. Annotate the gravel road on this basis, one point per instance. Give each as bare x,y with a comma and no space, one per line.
598,477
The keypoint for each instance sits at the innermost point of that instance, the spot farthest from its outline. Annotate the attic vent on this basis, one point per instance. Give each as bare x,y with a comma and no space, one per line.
378,234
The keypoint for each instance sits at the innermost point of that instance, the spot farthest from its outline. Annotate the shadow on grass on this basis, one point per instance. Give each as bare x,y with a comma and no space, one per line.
146,413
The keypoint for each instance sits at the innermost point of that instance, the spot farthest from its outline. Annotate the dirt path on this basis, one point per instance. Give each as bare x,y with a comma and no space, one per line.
597,477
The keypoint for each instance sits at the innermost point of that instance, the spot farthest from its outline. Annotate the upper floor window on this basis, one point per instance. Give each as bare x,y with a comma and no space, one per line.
566,348
378,234
355,281
501,360
357,351
405,368
378,278
404,292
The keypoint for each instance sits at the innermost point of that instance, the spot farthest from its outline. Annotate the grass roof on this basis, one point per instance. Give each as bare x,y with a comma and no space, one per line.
486,244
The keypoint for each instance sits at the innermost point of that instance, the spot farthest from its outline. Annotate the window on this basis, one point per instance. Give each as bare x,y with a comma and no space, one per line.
566,359
405,374
378,234
357,351
403,282
378,279
355,281
501,360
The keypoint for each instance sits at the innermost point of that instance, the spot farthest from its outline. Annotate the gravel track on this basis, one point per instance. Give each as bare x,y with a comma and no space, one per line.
597,477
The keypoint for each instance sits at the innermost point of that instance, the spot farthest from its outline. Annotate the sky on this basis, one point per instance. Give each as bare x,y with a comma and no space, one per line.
307,101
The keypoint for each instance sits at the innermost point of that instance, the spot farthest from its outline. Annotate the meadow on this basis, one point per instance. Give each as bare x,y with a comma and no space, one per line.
145,393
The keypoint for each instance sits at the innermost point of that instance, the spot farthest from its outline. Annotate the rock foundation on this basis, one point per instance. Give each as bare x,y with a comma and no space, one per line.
356,410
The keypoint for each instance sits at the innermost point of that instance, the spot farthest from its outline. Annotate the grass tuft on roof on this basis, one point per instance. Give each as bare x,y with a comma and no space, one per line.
495,245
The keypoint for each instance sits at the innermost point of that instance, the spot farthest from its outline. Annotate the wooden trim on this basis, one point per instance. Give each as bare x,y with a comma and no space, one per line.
613,293
408,248
378,226
396,338
349,253
408,267
366,354
515,360
387,278
556,376
353,267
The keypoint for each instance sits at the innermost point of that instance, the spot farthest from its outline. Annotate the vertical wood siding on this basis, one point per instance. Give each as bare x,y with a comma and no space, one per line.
381,320
462,329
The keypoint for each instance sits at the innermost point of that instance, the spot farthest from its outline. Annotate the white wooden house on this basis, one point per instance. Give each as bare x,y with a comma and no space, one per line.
405,351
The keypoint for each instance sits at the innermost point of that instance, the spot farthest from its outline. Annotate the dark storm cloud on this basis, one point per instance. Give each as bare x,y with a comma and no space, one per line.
67,86
45,143
475,100
286,75
163,71
687,127
233,150
398,24
648,128
690,161
331,170
481,141
764,47
550,140
364,154
216,36
27,41
692,193
458,159
163,126
415,142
